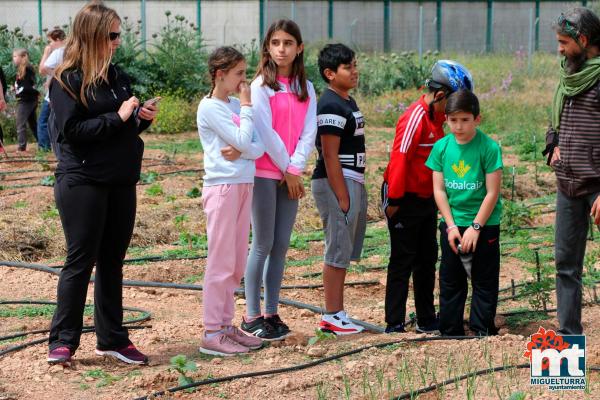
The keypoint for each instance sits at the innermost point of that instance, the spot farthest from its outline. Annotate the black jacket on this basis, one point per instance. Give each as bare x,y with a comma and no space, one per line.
96,146
3,81
25,88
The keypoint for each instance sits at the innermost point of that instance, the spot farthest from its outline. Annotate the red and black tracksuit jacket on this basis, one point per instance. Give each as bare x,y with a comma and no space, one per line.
416,134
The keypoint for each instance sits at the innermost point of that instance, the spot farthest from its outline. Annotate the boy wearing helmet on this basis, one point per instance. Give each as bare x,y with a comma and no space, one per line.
408,203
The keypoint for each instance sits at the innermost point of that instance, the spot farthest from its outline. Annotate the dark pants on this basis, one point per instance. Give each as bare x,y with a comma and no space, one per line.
26,116
42,127
485,279
413,251
98,224
572,222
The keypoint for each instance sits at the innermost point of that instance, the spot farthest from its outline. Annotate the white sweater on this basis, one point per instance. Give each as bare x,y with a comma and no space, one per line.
221,124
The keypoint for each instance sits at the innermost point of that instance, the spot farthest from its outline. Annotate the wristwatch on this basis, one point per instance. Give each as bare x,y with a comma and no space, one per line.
476,226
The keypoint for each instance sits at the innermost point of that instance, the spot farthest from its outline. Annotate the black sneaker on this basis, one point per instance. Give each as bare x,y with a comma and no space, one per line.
400,328
260,328
278,326
431,328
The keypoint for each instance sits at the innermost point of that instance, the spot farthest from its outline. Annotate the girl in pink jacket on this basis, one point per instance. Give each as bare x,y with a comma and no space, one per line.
285,118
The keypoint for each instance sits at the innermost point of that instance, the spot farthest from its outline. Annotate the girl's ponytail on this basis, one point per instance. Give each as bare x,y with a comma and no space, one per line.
222,59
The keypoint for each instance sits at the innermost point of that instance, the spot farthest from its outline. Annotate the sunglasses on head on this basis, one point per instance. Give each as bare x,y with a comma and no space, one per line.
114,36
567,26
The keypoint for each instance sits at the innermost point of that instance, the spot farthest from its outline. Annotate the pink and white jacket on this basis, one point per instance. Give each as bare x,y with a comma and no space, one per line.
286,126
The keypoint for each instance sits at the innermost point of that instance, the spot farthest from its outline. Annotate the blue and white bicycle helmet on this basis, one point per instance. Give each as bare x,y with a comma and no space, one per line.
450,75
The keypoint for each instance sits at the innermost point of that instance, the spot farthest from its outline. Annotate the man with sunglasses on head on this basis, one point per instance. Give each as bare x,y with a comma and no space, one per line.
573,150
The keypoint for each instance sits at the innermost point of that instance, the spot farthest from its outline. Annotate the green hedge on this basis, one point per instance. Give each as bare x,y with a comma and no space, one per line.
174,65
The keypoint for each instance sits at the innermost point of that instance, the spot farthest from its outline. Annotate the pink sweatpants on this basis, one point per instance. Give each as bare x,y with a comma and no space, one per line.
227,208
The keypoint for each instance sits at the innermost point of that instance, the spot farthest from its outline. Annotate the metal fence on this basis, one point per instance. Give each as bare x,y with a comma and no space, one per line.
381,25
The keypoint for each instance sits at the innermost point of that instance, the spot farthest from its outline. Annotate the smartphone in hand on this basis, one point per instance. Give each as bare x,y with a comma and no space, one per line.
151,102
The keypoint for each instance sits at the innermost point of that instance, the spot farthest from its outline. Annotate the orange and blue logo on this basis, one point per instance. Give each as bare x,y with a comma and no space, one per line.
557,361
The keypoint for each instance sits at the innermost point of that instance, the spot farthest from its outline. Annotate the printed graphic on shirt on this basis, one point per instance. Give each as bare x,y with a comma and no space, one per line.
461,169
360,123
331,120
341,117
464,167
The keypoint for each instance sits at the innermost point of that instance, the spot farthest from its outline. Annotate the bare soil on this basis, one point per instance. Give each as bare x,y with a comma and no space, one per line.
31,231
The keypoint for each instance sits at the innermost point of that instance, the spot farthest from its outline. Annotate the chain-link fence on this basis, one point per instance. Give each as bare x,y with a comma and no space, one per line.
381,25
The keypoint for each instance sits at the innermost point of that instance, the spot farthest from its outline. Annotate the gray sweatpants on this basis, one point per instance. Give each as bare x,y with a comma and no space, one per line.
572,221
273,217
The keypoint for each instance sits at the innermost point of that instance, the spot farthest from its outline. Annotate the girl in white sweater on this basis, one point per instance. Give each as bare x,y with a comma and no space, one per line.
226,131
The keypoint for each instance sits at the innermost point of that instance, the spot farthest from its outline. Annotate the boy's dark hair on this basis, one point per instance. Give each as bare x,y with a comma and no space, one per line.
334,55
56,34
463,100
222,59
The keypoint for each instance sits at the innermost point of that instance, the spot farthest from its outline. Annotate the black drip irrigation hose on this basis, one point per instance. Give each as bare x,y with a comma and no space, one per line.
182,286
145,316
27,160
431,388
413,393
147,259
275,371
300,367
20,171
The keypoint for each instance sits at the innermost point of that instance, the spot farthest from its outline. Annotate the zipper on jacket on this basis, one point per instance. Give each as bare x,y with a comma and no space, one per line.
113,92
289,117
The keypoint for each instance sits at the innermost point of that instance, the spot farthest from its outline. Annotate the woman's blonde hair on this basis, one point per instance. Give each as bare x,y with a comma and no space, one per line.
88,48
22,67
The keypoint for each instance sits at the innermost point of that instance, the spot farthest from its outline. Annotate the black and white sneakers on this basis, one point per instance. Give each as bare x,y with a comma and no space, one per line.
263,329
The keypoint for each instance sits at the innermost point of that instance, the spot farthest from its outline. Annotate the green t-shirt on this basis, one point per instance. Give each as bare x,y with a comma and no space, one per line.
464,167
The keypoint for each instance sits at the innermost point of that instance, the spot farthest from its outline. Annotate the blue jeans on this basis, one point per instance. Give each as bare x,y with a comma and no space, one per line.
42,127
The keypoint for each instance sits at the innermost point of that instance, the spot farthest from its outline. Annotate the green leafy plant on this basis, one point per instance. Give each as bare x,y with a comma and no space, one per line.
155,190
321,336
193,193
49,180
515,215
20,204
518,396
183,366
103,378
176,114
50,213
148,177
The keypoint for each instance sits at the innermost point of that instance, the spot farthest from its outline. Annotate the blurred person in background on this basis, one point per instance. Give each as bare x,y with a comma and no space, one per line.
52,57
27,97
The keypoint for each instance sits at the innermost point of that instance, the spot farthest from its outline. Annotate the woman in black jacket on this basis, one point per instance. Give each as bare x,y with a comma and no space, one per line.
101,156
27,97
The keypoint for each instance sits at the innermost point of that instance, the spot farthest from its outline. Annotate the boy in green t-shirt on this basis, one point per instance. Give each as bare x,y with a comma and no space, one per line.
467,173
